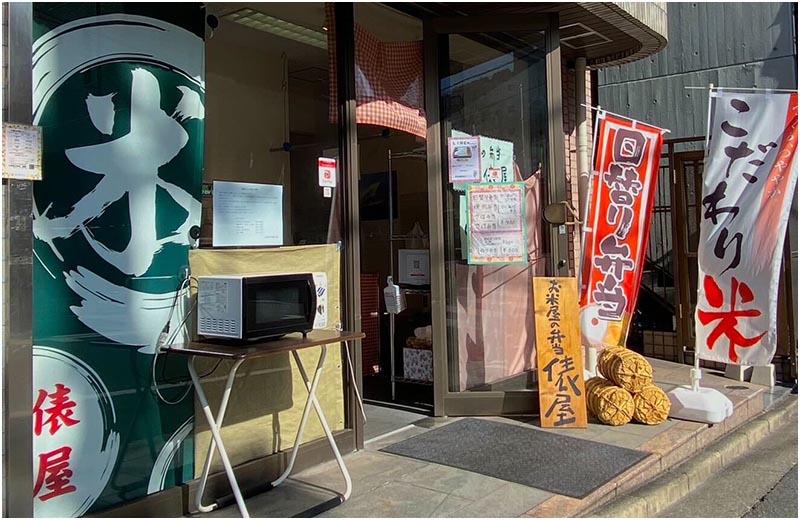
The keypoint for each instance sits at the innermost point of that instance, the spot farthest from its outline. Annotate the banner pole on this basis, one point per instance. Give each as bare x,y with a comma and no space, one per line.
696,374
598,109
708,119
590,353
746,89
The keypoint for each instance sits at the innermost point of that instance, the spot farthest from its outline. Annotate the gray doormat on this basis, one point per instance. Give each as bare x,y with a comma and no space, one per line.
557,463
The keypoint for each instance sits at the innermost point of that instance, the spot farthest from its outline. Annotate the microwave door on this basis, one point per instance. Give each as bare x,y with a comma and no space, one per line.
272,309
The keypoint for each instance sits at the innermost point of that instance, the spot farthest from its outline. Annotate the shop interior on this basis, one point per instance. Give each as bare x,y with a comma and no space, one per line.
268,121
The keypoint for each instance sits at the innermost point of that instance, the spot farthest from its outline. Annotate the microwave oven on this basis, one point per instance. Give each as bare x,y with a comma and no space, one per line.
250,307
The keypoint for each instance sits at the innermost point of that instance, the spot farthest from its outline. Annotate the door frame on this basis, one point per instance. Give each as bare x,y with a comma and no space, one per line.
680,226
16,210
447,402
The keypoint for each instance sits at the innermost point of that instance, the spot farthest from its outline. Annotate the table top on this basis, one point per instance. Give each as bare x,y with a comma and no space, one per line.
288,343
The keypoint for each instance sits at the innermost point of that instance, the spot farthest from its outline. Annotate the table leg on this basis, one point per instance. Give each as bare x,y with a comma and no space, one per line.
311,386
353,381
216,441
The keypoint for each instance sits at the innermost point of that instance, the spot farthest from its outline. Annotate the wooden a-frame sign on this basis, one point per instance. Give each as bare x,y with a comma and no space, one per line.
562,394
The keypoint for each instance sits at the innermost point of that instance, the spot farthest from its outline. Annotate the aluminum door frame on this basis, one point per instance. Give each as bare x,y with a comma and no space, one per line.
17,204
447,402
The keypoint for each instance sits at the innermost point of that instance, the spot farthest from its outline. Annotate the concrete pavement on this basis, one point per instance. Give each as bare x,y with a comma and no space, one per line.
754,457
780,502
387,485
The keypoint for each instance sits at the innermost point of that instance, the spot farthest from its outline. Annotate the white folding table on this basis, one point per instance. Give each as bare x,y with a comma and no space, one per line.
241,353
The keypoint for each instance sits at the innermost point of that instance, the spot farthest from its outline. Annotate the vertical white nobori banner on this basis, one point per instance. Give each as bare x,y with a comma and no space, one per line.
749,180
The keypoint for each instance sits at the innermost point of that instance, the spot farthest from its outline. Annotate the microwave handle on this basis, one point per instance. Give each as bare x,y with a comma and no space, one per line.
312,289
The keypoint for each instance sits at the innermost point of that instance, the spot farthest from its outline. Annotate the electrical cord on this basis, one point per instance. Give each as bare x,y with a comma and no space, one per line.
183,380
165,342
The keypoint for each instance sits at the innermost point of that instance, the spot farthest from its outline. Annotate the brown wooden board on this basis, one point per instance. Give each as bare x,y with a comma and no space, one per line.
559,359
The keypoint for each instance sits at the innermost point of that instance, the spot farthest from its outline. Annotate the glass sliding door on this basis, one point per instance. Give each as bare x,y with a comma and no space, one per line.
493,85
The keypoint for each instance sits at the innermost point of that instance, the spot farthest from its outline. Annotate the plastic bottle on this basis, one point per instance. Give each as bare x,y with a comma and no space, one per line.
394,297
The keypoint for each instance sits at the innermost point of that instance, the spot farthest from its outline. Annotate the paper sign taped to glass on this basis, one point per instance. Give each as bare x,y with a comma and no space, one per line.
496,229
22,152
464,159
496,159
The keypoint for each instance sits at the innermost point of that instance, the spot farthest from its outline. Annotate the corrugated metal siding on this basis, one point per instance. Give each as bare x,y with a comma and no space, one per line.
711,35
728,44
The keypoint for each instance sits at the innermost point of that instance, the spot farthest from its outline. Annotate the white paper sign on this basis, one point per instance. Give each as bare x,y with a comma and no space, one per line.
497,158
327,172
414,266
247,214
321,283
22,152
464,159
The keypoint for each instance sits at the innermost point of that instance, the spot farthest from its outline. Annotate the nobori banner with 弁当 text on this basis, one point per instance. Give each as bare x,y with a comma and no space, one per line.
626,161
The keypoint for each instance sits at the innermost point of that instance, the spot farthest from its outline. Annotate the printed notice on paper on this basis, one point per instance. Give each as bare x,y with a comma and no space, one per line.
496,159
464,159
496,223
327,172
247,214
22,152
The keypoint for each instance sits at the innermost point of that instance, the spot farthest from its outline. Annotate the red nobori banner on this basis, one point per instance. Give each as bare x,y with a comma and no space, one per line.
627,154
748,183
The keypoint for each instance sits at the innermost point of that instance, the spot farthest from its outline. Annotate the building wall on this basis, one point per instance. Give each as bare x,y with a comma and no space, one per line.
570,111
728,44
742,44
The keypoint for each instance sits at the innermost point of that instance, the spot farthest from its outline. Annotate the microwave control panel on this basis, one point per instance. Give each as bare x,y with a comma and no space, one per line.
219,306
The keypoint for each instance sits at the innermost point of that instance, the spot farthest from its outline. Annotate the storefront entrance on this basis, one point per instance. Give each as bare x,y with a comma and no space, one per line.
498,82
397,360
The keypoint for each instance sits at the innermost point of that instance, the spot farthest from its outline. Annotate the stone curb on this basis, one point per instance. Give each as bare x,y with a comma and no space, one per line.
657,495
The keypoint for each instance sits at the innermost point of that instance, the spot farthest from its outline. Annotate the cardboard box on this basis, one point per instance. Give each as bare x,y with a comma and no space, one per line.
418,364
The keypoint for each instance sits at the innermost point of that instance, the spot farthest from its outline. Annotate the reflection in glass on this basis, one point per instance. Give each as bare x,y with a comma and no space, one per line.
494,87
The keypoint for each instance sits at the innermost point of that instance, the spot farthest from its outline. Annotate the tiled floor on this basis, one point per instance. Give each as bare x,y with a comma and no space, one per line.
382,420
387,485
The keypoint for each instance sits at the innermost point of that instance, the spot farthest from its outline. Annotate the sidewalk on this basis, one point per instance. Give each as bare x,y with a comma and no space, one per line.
387,485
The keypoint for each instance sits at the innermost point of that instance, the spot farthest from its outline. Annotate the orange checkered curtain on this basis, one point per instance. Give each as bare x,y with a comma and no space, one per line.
389,81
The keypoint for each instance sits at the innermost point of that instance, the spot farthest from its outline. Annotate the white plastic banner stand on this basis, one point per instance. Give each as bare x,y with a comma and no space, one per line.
698,404
590,369
738,372
704,405
764,375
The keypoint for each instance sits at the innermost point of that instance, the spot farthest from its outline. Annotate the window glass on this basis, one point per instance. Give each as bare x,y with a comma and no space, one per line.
268,116
494,88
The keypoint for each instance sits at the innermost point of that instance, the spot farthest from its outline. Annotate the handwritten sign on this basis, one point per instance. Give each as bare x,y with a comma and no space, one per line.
22,152
559,360
496,228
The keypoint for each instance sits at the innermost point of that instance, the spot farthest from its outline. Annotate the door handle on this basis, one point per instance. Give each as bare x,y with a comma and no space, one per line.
557,214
